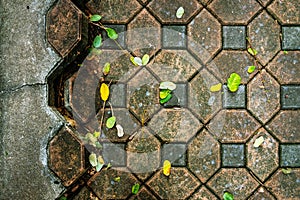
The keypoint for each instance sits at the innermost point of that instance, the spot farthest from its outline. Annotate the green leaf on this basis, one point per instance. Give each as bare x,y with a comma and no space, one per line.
96,134
165,100
91,138
179,12
167,85
95,18
228,196
106,68
97,41
111,33
164,93
133,62
251,69
108,166
110,122
135,188
93,159
233,82
286,171
285,52
253,52
216,88
145,59
98,145
63,198
117,179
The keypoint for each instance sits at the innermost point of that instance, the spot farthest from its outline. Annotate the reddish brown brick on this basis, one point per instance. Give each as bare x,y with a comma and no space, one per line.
285,126
263,96
175,125
262,193
203,193
237,181
285,186
231,126
263,160
204,35
204,156
288,12
179,185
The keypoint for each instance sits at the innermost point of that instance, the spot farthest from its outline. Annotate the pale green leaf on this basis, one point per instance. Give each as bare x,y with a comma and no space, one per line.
95,18
251,69
93,159
233,82
96,134
258,141
106,68
167,85
145,59
111,33
286,171
110,122
179,12
97,41
133,62
253,52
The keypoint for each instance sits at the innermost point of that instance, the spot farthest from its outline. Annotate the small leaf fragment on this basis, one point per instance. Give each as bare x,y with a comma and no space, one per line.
106,68
286,171
97,41
145,59
179,12
285,51
138,61
258,141
117,179
133,62
167,85
233,82
228,196
96,134
108,166
167,168
104,91
120,130
111,33
100,163
251,69
253,52
93,159
110,122
135,188
165,100
216,88
95,18
164,93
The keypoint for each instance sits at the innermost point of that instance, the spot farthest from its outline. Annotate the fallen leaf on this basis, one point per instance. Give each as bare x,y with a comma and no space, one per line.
110,122
96,134
135,188
106,68
216,88
111,33
233,82
95,18
228,196
93,159
179,12
108,166
251,69
167,168
117,179
145,59
164,93
120,130
253,52
100,163
97,41
133,62
165,100
104,91
167,85
286,171
138,61
258,141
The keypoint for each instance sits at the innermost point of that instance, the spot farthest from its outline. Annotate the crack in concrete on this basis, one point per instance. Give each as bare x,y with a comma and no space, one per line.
14,89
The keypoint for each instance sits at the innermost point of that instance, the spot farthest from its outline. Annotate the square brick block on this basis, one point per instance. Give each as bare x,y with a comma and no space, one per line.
290,156
233,155
118,95
175,153
291,38
290,96
234,99
114,153
234,37
174,36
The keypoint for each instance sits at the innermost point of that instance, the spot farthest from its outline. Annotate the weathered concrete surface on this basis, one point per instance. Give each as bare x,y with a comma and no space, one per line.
26,122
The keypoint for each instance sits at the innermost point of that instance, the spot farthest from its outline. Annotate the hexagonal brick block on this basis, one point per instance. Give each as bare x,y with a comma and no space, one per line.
144,34
287,12
263,96
66,28
143,153
286,67
228,62
203,193
179,185
117,11
104,185
262,193
165,10
204,35
175,125
264,35
285,126
231,11
143,194
201,100
142,95
174,65
66,156
233,126
285,186
237,181
204,156
262,160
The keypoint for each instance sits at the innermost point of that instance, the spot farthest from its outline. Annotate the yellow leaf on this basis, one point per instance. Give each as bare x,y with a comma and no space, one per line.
167,168
104,91
216,88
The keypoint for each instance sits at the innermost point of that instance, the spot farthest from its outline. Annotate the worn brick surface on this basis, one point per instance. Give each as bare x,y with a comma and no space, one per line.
204,35
290,156
263,96
204,155
234,99
291,38
175,153
203,193
263,160
234,37
288,12
285,126
174,36
233,155
262,193
143,194
290,97
264,35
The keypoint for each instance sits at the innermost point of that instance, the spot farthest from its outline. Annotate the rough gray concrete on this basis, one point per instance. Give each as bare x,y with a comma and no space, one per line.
26,121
